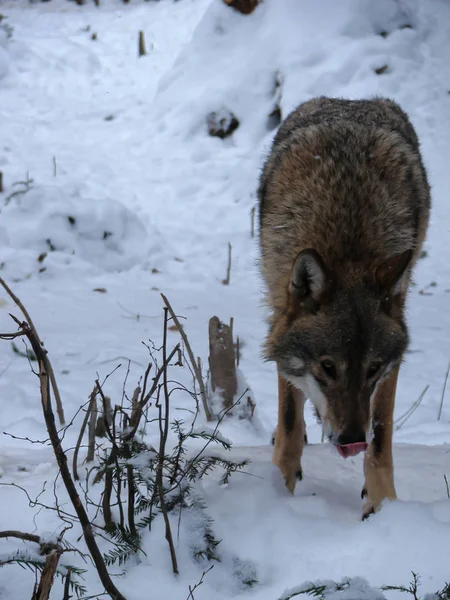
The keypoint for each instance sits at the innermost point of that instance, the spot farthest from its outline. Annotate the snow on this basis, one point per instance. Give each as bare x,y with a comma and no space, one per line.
132,197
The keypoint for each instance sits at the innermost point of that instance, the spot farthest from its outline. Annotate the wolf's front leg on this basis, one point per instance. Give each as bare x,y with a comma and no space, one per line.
378,462
290,434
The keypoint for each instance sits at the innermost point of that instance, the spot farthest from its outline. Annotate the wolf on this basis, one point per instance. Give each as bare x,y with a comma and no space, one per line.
344,204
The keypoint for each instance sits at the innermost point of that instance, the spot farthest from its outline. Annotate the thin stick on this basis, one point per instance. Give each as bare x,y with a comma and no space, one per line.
47,364
92,424
78,444
226,281
198,584
113,457
443,393
1,182
54,167
131,498
163,431
11,336
405,416
143,402
106,500
446,485
61,459
195,368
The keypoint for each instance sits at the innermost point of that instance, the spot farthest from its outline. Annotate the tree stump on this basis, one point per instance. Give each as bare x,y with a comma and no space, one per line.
222,362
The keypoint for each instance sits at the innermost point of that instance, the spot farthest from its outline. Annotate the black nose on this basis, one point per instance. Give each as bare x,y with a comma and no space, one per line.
351,437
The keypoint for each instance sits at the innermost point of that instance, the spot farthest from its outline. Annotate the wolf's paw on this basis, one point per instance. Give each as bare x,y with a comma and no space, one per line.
291,471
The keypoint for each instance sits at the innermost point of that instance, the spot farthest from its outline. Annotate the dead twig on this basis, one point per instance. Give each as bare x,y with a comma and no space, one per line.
52,551
164,430
441,405
78,444
226,281
11,336
405,416
61,459
198,584
92,426
194,364
48,366
28,537
146,398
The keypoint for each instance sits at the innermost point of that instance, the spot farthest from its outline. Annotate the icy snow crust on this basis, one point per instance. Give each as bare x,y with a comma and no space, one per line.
131,195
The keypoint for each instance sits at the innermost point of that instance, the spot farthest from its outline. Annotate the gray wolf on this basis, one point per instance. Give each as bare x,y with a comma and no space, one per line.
344,208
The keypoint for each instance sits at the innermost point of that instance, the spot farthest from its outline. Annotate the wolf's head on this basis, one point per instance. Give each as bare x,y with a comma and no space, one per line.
339,339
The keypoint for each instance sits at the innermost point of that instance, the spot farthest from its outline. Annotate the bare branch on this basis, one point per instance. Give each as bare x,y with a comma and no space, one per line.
48,366
92,423
145,399
61,459
198,584
164,430
28,537
78,444
194,364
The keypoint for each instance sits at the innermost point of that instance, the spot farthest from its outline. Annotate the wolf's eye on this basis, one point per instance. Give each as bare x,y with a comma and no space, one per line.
373,369
329,368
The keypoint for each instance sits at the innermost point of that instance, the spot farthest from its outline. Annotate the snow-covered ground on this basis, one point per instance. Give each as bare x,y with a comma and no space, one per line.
131,195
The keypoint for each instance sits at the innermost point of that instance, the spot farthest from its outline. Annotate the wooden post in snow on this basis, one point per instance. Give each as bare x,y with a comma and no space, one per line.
142,49
222,362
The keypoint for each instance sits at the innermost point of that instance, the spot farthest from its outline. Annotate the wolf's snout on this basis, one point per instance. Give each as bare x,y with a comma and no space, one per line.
351,444
351,437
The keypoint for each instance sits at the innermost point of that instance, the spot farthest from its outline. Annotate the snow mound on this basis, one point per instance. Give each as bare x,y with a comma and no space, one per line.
247,76
103,232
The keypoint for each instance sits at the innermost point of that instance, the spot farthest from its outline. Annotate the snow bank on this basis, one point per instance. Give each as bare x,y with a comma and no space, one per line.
99,231
313,48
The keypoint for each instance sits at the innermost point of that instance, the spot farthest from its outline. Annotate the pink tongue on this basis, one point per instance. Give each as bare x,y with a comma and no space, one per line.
352,449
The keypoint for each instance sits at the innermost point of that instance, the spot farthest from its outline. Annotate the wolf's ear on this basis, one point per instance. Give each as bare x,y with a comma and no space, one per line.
389,274
308,278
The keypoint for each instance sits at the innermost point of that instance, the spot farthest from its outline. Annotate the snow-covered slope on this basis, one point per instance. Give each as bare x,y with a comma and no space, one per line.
130,194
